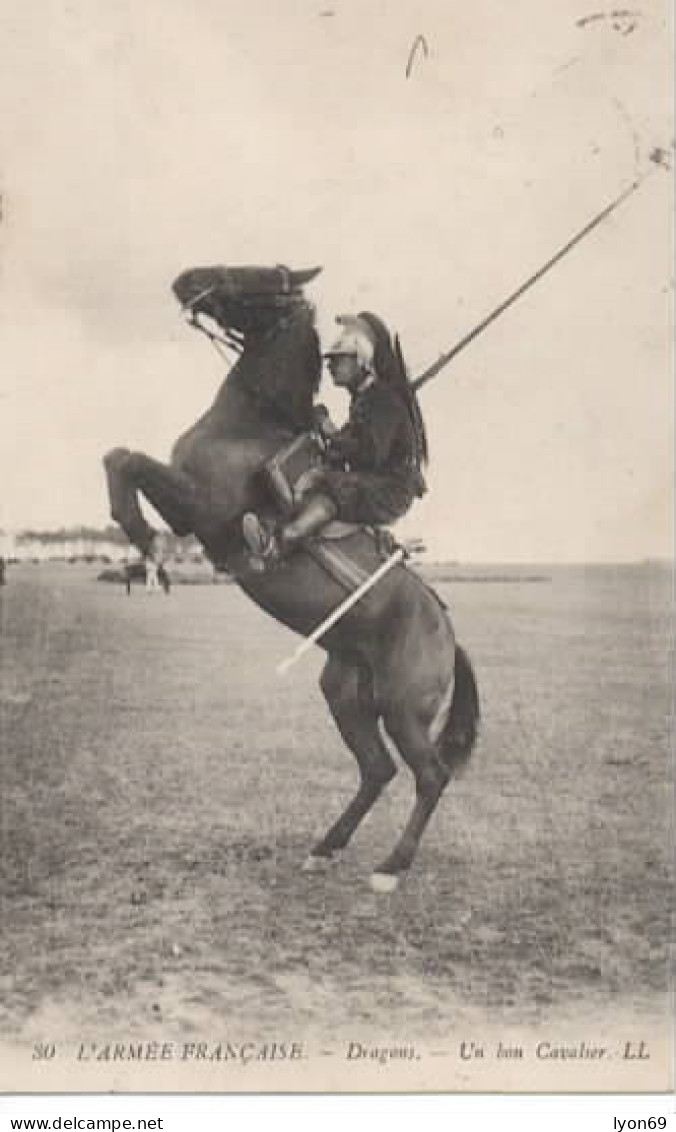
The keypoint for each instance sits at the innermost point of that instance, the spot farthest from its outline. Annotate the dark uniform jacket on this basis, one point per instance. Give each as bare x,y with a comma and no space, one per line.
372,473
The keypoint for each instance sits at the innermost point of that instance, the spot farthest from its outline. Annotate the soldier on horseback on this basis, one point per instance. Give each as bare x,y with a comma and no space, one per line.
373,466
374,682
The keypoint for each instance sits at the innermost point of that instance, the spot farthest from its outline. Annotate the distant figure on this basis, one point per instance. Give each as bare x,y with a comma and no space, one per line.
152,581
3,577
154,576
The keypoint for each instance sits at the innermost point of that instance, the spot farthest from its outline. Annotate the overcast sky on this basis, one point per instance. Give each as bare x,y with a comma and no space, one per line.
141,137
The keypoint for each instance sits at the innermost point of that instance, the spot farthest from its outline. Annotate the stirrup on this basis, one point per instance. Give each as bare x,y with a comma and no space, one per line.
259,538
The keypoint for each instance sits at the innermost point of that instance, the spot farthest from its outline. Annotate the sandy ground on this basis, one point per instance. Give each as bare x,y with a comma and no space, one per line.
161,787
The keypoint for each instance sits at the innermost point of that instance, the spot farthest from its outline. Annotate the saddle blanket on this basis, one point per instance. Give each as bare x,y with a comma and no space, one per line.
327,551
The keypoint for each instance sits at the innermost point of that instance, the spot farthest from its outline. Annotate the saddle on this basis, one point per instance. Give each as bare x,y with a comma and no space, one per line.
291,473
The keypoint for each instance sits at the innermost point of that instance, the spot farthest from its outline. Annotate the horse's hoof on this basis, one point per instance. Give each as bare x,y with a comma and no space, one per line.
384,882
317,864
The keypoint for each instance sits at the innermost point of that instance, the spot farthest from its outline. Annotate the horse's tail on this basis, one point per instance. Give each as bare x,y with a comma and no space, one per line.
459,735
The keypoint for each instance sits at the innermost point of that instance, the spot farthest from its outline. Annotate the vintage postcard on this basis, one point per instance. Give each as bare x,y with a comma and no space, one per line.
336,547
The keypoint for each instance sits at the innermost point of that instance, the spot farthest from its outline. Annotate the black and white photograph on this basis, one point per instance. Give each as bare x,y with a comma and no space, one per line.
336,547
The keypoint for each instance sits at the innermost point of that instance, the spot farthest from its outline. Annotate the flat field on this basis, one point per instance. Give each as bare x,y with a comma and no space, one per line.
161,788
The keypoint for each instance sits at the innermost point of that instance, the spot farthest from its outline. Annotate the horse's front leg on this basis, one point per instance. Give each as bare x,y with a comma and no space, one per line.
173,495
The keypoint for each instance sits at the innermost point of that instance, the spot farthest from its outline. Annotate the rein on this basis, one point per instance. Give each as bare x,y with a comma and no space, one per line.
235,340
218,341
227,340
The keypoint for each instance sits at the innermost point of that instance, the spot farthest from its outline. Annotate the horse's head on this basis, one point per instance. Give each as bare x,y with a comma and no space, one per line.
262,311
243,299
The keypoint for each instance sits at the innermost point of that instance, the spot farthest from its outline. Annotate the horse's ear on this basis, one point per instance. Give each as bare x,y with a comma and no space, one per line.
300,278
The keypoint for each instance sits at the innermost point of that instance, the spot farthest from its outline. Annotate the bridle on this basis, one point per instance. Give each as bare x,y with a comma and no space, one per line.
293,303
218,341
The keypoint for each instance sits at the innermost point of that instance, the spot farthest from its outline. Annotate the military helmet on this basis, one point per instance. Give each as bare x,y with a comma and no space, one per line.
355,339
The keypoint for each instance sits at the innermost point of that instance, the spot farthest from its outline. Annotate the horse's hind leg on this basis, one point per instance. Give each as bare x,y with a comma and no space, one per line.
171,493
411,730
349,693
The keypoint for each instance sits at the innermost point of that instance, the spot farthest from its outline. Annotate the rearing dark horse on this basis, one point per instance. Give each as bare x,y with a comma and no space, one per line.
392,659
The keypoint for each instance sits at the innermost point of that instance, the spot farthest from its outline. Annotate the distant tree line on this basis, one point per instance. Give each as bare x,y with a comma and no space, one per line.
110,534
95,535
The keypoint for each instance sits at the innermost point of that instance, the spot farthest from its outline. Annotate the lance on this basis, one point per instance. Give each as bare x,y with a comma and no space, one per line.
444,359
394,559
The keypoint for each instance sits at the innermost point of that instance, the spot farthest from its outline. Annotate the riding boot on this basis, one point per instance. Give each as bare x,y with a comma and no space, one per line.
316,513
268,546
